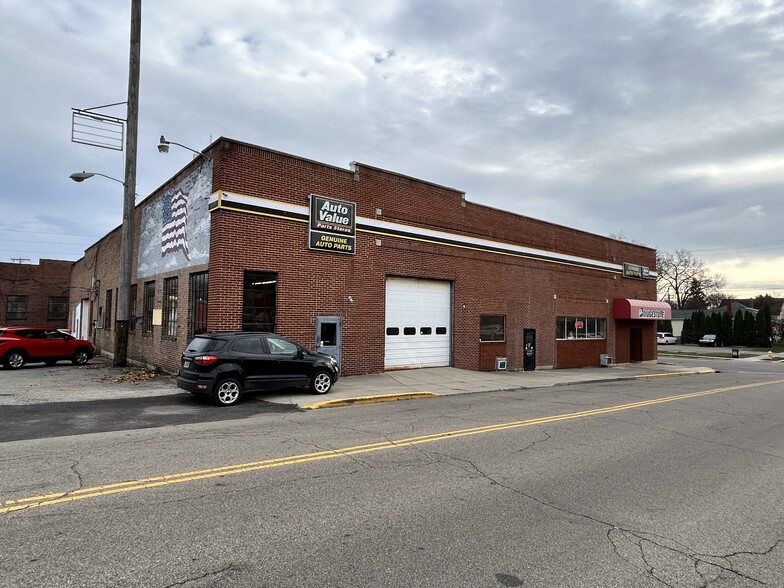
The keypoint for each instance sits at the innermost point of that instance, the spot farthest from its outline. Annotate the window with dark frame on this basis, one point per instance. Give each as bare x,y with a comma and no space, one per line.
571,327
58,308
259,301
16,308
107,316
147,305
170,307
492,328
132,309
199,289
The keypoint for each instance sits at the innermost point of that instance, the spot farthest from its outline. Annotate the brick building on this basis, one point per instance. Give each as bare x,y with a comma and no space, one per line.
35,294
380,269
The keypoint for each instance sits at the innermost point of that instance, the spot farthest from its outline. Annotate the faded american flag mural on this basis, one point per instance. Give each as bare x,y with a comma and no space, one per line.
174,236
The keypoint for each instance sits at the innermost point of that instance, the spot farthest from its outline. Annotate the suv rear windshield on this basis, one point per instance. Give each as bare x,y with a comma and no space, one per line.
205,344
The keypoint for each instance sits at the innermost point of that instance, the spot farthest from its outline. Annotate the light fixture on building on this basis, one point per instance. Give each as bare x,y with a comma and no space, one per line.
163,146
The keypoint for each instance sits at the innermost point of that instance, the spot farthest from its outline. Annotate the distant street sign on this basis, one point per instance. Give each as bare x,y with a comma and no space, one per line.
96,129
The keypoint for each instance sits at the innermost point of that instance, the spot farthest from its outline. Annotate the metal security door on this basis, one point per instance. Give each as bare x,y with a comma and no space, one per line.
529,350
329,338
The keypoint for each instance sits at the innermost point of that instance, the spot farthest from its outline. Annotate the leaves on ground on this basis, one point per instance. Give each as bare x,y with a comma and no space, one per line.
133,376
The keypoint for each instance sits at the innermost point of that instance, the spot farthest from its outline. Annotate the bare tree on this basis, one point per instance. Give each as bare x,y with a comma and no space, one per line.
678,274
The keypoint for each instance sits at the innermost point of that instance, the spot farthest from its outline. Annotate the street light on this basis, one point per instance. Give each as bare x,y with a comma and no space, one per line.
83,175
163,146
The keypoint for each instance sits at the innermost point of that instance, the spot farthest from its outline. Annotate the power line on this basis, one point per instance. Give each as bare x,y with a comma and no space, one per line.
60,253
44,232
742,248
42,242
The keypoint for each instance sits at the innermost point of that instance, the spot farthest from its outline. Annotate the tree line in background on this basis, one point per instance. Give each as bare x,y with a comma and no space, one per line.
745,329
685,282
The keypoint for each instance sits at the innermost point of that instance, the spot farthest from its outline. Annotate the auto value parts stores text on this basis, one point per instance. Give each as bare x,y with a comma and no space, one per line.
382,270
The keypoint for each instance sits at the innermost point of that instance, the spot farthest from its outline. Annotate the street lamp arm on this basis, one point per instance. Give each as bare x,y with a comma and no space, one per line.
83,175
163,146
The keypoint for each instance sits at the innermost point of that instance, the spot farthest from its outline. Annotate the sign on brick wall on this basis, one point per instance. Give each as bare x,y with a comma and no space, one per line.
632,270
333,225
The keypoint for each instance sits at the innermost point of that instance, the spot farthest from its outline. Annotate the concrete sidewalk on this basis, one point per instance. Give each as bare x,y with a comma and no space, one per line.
419,383
37,384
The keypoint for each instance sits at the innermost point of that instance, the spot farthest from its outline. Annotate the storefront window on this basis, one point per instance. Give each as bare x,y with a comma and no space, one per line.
258,301
569,327
492,327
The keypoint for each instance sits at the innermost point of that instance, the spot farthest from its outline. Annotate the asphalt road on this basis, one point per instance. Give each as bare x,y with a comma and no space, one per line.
669,482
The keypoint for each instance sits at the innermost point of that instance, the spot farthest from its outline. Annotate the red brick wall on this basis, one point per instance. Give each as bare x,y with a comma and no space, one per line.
530,293
39,282
488,352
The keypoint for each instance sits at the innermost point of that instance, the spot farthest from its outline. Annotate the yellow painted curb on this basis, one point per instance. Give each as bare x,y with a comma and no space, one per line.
368,399
674,374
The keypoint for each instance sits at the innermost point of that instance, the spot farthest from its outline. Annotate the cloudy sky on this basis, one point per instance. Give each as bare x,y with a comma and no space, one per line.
658,120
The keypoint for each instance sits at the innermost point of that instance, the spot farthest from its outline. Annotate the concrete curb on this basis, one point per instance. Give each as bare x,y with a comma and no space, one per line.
393,397
368,399
699,372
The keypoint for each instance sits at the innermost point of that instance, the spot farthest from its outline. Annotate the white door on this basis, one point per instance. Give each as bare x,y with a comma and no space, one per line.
418,323
81,319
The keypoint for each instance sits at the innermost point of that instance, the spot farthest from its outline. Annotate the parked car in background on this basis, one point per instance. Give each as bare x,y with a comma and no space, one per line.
709,341
226,365
665,338
21,345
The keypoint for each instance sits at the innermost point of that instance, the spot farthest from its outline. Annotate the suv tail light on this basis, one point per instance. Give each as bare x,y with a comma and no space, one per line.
205,359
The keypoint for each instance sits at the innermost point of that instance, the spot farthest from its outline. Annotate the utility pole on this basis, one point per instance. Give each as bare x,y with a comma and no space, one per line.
129,197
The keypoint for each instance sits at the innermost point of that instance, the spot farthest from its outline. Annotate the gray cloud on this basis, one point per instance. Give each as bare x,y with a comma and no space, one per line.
658,119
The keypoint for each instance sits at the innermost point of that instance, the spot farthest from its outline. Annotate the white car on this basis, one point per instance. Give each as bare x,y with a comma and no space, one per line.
665,339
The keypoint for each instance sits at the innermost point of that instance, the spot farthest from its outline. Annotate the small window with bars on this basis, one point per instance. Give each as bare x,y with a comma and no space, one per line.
170,307
149,302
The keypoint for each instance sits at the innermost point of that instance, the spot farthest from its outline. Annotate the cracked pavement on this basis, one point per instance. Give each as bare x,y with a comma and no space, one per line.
684,494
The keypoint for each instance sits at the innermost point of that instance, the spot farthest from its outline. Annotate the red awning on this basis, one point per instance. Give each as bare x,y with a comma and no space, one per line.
647,310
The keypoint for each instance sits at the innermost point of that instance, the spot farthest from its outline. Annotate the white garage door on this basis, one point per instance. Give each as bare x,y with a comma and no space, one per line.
418,326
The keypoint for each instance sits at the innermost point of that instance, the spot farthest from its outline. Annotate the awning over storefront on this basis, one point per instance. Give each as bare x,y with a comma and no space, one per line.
651,310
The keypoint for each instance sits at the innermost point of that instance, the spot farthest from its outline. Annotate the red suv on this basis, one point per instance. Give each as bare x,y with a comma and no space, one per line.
21,345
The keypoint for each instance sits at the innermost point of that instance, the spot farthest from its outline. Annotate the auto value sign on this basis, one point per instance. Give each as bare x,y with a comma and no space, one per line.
333,225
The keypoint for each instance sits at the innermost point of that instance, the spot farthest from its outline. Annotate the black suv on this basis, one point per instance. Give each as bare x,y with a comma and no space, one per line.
226,365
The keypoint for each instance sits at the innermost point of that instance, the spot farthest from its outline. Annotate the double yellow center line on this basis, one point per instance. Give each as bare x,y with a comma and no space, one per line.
8,506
